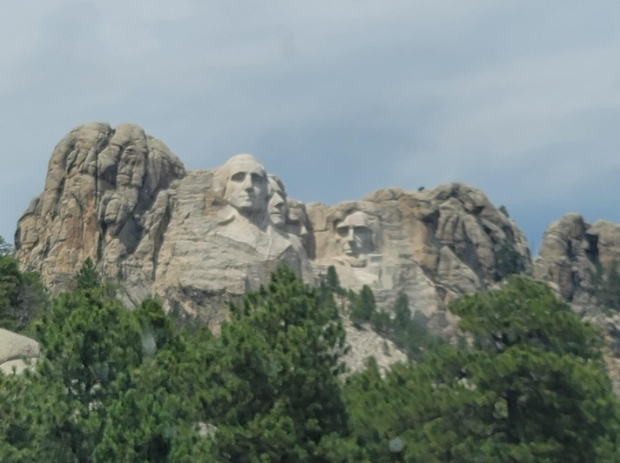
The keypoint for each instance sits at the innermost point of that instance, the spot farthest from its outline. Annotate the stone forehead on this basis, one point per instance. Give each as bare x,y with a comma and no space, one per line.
356,219
239,163
275,184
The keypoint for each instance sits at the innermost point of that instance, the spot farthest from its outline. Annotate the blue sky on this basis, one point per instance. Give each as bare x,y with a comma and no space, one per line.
339,98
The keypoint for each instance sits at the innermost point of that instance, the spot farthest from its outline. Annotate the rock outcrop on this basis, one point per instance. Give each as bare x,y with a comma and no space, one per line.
17,352
104,193
434,245
201,238
569,252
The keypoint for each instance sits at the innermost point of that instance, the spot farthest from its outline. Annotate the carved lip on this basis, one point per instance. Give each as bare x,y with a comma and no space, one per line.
349,251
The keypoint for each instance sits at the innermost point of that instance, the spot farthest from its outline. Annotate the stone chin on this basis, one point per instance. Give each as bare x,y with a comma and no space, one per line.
278,218
247,205
350,252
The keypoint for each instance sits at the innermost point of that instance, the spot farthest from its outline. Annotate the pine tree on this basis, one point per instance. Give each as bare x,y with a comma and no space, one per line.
22,296
364,306
270,385
110,384
6,249
402,312
333,282
531,389
87,277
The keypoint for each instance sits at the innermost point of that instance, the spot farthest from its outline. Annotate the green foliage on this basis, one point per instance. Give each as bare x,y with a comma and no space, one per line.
363,306
87,277
411,333
120,385
16,423
381,322
525,313
504,211
332,280
408,333
508,261
531,389
276,365
6,249
402,312
605,281
22,296
109,386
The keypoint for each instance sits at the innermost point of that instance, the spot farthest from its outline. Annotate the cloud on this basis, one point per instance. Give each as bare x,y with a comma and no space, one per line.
519,98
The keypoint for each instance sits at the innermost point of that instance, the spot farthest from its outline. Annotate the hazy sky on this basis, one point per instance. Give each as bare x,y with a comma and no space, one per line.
337,97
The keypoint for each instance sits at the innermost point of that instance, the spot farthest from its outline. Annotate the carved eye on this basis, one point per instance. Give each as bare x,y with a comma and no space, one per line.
238,177
257,178
343,231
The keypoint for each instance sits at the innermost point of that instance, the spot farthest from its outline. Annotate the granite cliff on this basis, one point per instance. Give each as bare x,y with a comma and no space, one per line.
201,238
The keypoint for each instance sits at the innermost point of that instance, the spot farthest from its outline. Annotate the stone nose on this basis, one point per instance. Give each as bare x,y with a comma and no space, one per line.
279,201
247,182
351,235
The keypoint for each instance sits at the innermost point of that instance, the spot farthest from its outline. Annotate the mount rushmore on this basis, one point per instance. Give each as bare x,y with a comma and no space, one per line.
199,239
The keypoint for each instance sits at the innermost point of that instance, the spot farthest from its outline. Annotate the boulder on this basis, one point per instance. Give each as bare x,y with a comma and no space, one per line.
16,351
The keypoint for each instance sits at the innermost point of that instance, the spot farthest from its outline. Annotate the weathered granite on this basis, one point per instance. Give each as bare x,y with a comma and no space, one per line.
568,255
201,238
16,351
434,245
570,249
104,192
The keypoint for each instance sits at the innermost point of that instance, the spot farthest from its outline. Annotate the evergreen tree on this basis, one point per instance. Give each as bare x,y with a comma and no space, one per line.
16,420
22,296
87,277
531,389
508,261
270,383
381,322
402,312
110,385
333,282
363,306
6,249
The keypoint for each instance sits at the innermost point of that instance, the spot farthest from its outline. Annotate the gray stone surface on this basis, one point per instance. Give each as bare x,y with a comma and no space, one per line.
15,351
569,251
201,238
434,245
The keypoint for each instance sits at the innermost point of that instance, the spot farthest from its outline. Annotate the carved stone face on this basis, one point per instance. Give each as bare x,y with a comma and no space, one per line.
355,234
278,208
297,219
131,167
246,184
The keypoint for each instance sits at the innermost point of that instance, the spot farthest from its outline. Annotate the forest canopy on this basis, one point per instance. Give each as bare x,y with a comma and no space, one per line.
526,384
